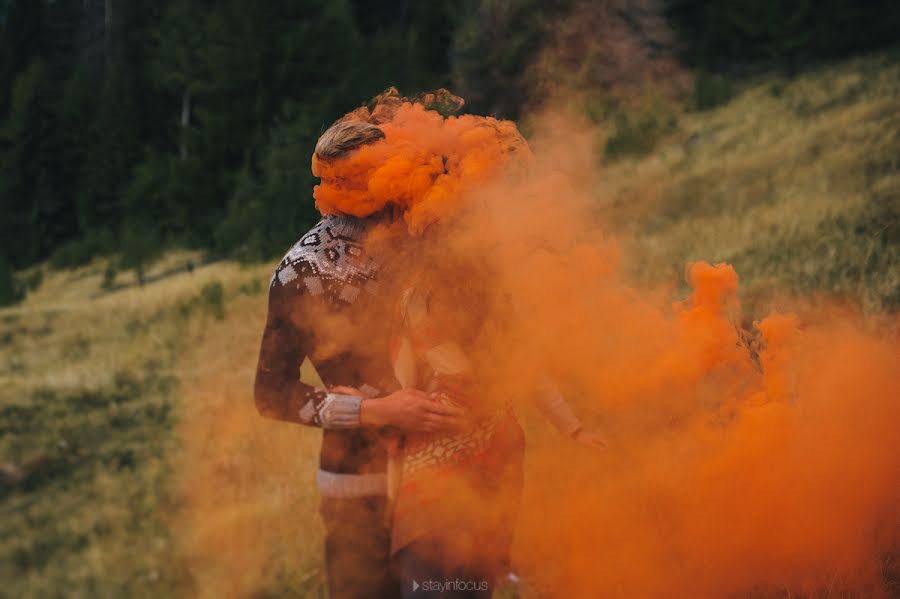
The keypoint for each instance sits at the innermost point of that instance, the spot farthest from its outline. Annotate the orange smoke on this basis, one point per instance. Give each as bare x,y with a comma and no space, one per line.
424,165
723,477
740,464
729,472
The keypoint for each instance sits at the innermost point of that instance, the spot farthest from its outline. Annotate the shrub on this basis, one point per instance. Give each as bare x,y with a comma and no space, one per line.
711,90
9,290
253,287
109,277
637,133
139,246
212,298
33,281
78,252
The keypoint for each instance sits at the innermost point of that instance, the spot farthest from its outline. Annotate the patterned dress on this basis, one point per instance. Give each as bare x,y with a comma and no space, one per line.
462,488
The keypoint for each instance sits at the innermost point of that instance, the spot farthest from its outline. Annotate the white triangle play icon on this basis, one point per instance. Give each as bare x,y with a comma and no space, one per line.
415,586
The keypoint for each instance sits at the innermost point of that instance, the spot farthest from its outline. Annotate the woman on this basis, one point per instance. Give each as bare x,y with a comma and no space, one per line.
456,494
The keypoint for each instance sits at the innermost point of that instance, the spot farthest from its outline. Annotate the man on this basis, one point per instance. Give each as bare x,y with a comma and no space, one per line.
328,302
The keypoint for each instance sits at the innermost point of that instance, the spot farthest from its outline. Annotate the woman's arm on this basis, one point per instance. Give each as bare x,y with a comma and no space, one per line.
554,407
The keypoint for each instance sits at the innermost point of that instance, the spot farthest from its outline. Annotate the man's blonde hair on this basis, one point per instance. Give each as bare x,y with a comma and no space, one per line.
344,137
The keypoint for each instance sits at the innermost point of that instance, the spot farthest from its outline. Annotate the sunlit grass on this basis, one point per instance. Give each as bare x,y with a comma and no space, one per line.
796,183
91,402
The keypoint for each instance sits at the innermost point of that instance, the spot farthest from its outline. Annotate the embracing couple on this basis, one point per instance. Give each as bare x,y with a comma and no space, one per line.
420,470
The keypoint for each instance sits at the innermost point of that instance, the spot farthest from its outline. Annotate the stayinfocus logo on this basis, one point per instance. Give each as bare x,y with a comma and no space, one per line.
458,584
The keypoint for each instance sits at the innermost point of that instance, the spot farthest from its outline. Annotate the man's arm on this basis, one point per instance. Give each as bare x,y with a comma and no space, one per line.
278,392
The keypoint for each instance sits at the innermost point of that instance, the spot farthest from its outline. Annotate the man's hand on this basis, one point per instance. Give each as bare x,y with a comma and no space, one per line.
590,439
410,411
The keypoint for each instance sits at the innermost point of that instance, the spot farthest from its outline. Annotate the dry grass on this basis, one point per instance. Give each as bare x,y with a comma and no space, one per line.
89,404
796,183
64,337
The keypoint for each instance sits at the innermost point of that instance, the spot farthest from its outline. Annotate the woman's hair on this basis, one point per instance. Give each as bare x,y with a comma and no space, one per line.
344,137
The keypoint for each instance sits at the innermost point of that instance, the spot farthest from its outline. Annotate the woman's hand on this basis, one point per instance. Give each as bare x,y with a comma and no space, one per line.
410,411
590,439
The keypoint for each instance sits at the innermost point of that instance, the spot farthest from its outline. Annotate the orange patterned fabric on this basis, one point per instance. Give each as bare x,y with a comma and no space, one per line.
434,468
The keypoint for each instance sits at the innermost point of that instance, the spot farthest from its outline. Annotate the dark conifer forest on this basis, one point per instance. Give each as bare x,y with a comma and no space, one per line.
134,126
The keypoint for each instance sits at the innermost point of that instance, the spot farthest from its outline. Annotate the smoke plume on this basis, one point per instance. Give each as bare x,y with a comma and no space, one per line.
739,462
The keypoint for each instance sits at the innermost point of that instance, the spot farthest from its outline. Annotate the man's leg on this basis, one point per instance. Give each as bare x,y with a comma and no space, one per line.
357,549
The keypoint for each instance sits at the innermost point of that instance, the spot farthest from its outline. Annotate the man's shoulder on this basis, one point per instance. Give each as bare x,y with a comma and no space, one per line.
331,249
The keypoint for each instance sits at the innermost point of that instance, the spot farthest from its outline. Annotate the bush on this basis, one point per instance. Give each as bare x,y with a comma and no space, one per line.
711,90
9,290
78,252
637,133
139,246
109,277
212,298
253,287
33,281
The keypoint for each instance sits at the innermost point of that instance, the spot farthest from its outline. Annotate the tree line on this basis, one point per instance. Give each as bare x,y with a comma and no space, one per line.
131,126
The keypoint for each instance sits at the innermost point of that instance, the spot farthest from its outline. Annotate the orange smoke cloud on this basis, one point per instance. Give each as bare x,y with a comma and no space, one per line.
728,473
424,165
739,462
736,467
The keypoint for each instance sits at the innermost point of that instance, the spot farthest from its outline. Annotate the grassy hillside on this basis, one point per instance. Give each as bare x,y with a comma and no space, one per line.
91,397
797,183
794,182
